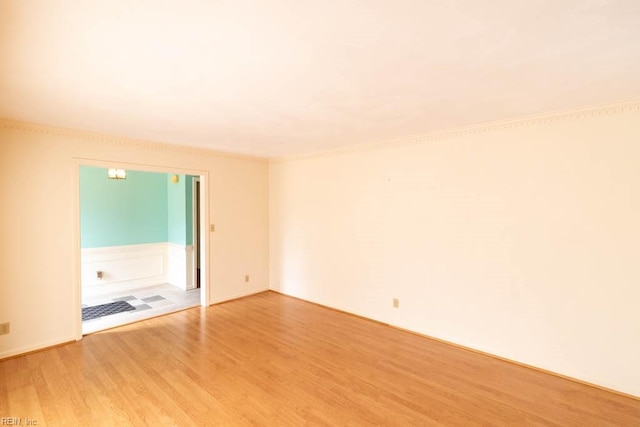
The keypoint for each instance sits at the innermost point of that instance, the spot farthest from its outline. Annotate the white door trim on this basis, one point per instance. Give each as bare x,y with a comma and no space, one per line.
205,285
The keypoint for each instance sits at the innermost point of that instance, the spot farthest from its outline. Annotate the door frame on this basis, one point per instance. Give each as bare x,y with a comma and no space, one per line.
203,176
196,189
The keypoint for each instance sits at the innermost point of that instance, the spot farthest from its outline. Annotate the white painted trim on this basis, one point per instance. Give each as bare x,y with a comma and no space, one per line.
130,142
34,347
205,243
108,250
191,284
631,105
205,285
77,254
194,219
240,295
179,261
128,264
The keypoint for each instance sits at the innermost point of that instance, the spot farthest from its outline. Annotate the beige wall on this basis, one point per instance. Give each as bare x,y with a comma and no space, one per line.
38,224
520,240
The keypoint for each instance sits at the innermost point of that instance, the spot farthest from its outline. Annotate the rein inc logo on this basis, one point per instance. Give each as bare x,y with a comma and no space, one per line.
18,421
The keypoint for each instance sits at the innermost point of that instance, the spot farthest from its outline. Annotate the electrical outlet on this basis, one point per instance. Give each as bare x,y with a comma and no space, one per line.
396,303
246,278
212,228
5,328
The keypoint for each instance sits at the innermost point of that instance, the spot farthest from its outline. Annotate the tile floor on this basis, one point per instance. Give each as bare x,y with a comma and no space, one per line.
149,301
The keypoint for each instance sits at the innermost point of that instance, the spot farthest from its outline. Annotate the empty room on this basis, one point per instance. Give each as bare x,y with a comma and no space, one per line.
320,213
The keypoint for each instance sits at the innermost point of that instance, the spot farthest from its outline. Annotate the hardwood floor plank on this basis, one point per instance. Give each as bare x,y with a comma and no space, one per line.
274,360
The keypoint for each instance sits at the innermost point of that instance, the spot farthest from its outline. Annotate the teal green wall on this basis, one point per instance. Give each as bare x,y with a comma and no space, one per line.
189,203
122,212
177,212
180,210
144,208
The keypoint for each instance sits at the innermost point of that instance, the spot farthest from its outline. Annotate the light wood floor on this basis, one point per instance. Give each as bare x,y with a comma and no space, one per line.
273,360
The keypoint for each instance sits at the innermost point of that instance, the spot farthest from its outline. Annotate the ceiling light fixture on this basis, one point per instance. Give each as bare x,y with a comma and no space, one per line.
117,173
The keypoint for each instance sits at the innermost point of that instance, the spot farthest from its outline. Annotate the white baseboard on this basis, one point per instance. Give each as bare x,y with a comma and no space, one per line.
34,347
237,295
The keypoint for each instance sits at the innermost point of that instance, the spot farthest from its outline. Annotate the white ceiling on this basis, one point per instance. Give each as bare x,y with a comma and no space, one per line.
283,77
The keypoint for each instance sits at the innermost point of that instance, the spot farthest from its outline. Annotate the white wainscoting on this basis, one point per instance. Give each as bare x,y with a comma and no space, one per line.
180,266
136,265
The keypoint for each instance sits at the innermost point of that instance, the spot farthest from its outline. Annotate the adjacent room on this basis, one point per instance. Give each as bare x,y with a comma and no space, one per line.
320,213
137,233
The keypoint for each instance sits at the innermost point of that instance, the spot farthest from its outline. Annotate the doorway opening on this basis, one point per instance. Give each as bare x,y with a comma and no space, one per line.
196,229
141,247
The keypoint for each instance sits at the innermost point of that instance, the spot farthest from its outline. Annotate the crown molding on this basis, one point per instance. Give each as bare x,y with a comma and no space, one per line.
10,124
481,128
487,127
